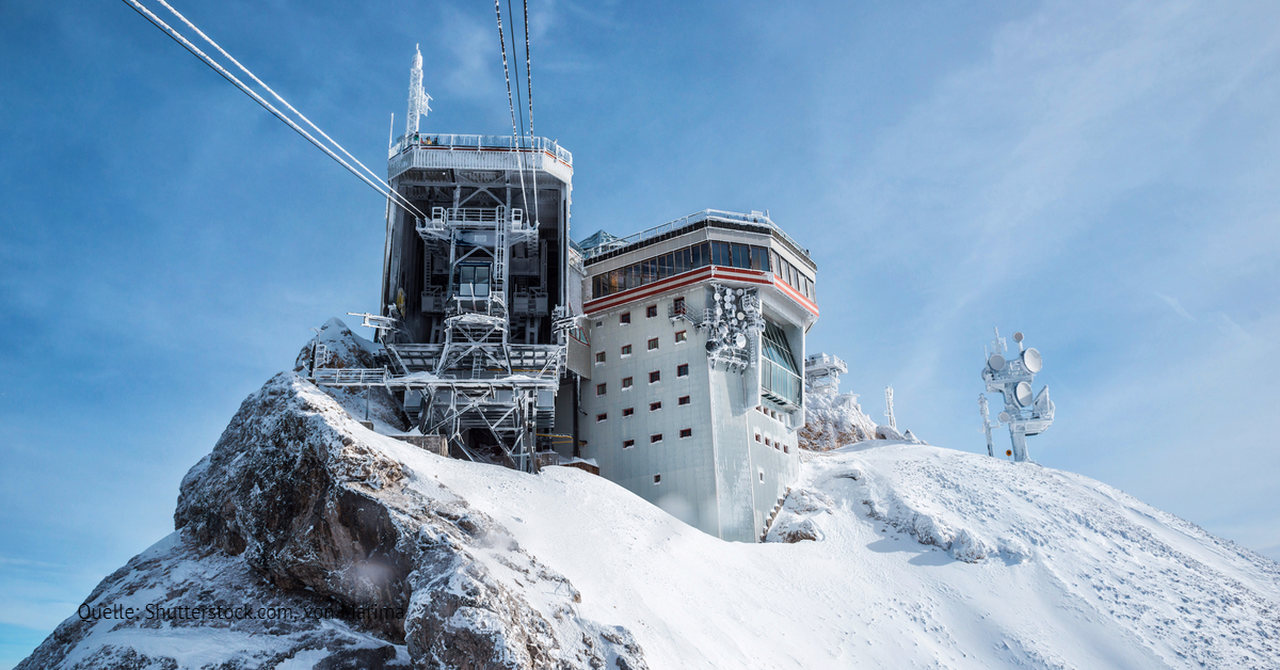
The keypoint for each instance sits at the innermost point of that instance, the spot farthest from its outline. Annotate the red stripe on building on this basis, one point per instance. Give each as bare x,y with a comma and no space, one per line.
693,277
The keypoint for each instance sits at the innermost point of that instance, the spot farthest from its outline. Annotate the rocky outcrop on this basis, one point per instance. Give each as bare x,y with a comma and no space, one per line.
834,419
299,504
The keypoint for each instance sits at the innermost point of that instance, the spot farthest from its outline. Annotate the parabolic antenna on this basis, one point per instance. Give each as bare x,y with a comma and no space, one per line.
1004,417
740,340
1031,358
996,362
1017,337
1022,394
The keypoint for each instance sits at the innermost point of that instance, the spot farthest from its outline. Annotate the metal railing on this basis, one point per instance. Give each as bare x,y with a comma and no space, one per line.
748,218
350,376
481,142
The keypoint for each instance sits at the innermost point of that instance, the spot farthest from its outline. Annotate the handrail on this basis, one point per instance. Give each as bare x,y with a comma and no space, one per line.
349,376
480,142
750,218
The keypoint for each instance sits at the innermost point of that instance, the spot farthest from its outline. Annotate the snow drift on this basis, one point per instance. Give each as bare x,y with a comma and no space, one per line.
884,555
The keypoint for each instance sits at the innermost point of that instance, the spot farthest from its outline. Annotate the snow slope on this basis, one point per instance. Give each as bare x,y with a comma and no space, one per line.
1058,570
927,558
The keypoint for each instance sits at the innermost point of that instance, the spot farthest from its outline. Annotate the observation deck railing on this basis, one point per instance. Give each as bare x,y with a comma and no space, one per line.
748,218
481,142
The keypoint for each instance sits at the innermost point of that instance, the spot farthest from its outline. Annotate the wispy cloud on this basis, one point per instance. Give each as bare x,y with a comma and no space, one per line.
1176,306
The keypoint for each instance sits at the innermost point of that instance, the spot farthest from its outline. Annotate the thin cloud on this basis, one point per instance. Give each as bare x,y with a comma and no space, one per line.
1175,306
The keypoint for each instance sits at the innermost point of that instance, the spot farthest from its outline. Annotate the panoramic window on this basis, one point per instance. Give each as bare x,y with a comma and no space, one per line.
669,264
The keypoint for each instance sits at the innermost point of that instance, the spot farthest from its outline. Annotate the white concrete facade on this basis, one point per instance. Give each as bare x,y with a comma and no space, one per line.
708,442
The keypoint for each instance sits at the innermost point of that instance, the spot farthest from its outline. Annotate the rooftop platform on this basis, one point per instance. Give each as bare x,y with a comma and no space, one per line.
441,151
609,246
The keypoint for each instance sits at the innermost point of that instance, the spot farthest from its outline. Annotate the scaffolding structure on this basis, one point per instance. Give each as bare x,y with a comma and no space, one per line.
476,297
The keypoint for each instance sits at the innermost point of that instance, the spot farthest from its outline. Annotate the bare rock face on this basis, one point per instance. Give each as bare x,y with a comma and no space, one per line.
291,493
299,503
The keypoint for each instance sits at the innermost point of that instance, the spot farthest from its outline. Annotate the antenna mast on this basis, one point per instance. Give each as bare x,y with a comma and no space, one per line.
888,407
986,422
1026,414
419,101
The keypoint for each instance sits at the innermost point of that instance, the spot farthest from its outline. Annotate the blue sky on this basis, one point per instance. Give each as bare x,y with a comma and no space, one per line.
1102,176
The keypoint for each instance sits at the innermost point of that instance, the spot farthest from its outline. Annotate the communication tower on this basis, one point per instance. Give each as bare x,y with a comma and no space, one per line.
1024,413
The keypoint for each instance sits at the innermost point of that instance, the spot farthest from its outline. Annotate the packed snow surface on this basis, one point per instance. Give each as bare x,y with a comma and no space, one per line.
929,557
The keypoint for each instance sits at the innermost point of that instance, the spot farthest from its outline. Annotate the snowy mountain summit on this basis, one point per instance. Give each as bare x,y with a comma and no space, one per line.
307,540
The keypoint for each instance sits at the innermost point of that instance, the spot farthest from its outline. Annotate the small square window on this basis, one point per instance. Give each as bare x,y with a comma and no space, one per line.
626,350
627,444
653,343
655,438
762,476
657,479
682,370
599,356
786,449
599,324
602,417
626,383
601,388
684,400
655,406
682,336
768,442
655,377
651,311
628,411
624,318
677,305
686,432
757,437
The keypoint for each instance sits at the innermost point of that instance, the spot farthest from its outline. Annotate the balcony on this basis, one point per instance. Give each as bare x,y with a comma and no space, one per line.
478,152
780,384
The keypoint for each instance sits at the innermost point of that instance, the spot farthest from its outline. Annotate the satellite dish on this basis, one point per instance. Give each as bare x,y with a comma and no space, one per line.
1004,417
1022,394
1017,337
1031,358
711,345
996,362
740,340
